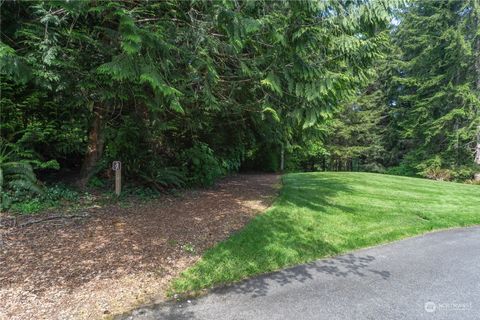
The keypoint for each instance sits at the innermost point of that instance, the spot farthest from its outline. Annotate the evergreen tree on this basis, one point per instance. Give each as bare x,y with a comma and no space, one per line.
435,99
156,83
356,133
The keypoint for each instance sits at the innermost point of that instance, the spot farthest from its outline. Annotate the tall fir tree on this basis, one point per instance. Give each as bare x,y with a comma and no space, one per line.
435,95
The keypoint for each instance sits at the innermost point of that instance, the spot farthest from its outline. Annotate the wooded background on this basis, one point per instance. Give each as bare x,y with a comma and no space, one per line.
183,92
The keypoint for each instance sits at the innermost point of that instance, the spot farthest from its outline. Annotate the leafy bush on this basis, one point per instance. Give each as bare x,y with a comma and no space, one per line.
438,174
16,177
310,156
143,162
96,182
233,160
463,173
164,177
28,206
402,170
25,203
434,169
202,166
59,192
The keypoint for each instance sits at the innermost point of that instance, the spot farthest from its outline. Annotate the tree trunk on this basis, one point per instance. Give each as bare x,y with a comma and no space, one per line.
282,159
477,69
477,153
477,149
94,150
477,61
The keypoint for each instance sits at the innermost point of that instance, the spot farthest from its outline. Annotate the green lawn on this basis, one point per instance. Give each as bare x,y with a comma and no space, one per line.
324,214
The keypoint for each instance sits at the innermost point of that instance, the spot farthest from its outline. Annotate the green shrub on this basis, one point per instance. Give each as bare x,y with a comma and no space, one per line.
201,165
440,174
233,160
96,182
402,170
16,176
26,203
463,173
59,192
29,206
164,177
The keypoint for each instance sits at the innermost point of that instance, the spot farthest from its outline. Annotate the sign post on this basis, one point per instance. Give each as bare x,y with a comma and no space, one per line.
117,167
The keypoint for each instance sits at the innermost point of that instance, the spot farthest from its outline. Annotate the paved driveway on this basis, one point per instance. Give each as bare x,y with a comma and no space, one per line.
435,276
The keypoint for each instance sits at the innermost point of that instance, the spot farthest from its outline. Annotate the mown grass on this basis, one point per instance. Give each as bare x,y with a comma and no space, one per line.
323,214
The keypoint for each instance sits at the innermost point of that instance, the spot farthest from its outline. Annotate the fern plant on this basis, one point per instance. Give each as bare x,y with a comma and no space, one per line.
164,178
15,175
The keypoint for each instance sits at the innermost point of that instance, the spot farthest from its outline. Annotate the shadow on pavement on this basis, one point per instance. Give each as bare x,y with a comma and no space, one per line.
342,266
349,265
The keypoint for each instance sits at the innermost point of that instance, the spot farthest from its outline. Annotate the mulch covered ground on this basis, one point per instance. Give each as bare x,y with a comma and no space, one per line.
117,258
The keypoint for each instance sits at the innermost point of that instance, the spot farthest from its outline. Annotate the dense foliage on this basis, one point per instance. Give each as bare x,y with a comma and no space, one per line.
420,115
194,86
183,92
435,108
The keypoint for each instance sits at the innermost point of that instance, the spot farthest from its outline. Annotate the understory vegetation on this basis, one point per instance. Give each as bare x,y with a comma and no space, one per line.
185,92
324,214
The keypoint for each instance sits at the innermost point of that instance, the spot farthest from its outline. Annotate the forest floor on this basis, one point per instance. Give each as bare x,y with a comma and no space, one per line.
109,259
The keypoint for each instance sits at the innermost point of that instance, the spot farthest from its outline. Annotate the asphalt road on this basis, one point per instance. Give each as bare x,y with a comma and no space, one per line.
435,276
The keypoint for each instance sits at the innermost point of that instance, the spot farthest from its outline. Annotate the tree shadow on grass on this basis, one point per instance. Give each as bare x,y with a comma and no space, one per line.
281,237
315,192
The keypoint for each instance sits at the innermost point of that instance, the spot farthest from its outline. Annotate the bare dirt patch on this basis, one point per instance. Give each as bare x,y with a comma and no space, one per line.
118,258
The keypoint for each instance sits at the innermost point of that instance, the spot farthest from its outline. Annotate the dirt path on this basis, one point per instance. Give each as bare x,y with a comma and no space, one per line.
120,257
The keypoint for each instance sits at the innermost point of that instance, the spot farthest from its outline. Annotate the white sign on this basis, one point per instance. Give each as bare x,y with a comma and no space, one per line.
116,165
